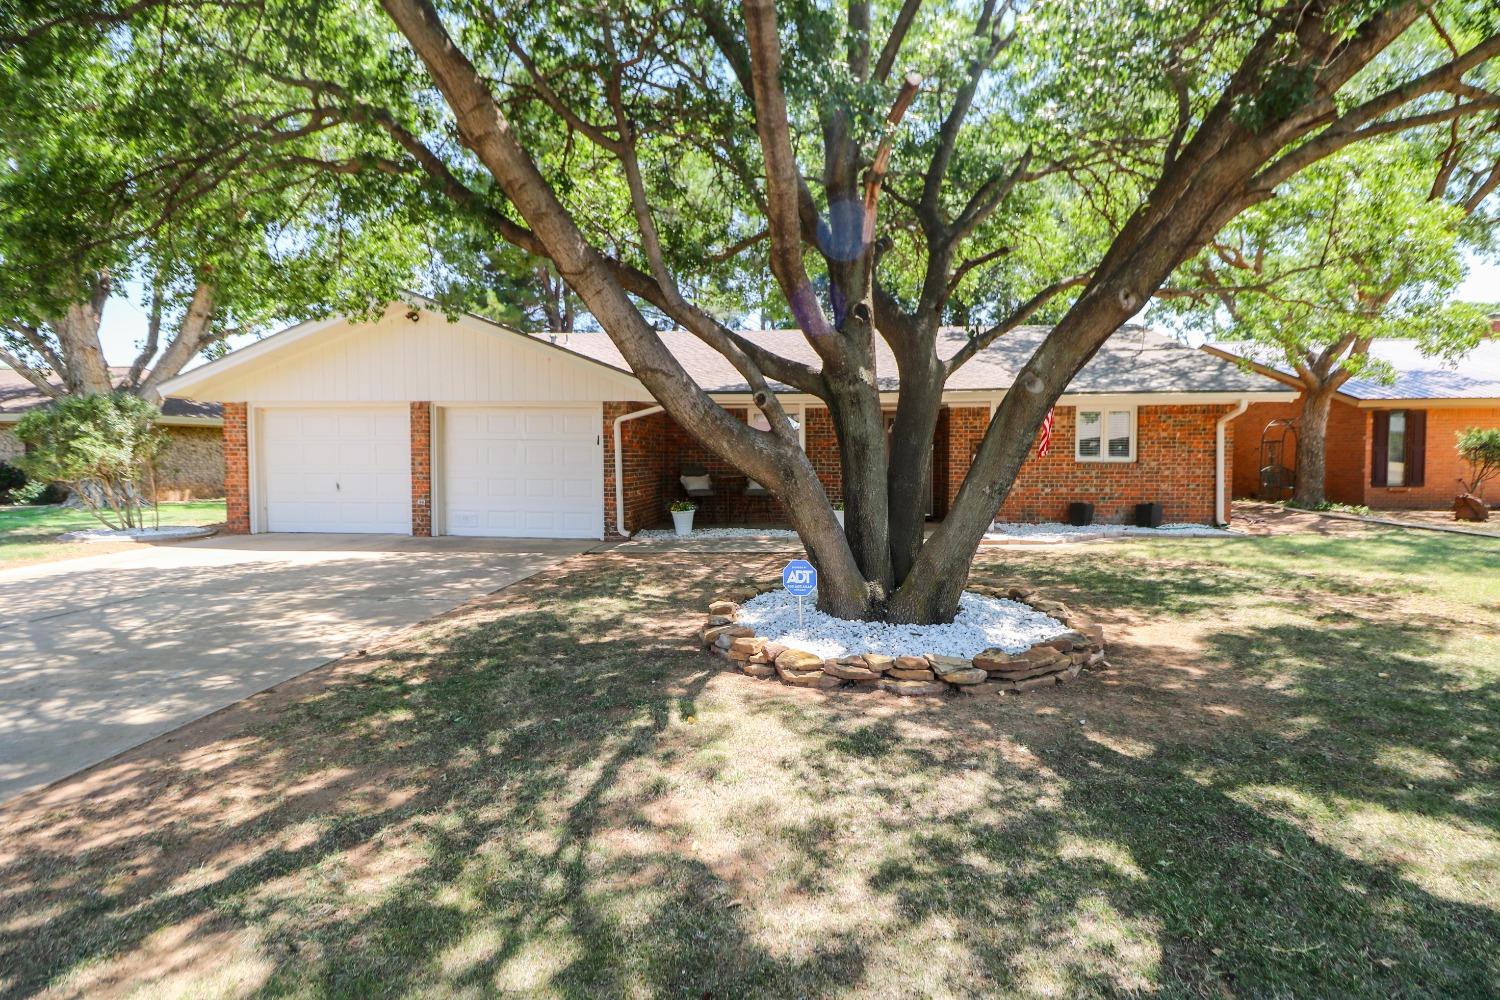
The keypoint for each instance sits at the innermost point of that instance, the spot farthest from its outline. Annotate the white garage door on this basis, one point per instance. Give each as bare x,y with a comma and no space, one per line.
523,472
336,469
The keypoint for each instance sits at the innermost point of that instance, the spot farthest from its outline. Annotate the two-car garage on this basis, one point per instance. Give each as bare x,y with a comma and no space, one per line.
496,471
413,425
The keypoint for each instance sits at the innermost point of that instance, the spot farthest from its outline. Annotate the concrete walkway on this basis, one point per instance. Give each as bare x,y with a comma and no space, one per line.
102,653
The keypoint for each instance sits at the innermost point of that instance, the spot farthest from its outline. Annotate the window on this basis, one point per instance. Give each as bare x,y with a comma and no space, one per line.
1105,435
1395,450
1398,448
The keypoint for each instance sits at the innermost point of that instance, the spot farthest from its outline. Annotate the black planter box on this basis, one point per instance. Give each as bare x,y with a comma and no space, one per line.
1148,515
1080,515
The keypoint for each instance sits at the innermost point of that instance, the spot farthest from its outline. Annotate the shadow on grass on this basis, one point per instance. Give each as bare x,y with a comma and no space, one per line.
550,792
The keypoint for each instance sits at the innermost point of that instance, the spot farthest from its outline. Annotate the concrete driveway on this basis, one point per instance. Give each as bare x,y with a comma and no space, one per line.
102,653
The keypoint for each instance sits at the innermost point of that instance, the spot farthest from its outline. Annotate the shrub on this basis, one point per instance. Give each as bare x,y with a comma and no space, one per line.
11,479
102,446
1481,449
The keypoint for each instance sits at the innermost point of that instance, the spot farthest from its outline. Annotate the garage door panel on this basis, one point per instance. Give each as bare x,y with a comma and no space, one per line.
336,470
522,472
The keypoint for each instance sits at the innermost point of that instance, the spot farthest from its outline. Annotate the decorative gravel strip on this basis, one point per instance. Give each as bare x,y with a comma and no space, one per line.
1003,641
1054,532
982,623
164,533
663,534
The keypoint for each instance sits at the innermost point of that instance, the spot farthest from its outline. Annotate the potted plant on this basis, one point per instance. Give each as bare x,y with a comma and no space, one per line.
838,511
682,516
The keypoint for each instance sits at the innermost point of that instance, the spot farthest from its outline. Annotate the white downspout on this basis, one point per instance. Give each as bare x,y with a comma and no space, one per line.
620,465
1221,513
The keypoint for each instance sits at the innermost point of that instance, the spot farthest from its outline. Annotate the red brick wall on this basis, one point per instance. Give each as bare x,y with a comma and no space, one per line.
236,469
1346,459
1248,428
823,450
656,449
960,429
1174,466
1349,460
421,470
1444,467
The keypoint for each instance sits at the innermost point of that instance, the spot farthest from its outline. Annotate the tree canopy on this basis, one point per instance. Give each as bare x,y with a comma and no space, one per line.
893,167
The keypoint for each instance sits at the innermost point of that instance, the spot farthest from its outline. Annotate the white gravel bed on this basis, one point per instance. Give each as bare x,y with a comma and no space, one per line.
163,533
982,623
660,534
1053,532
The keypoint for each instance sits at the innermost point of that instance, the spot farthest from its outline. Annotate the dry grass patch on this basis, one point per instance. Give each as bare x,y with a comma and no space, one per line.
552,792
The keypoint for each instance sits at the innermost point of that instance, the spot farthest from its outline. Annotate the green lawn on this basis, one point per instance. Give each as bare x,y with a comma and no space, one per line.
29,534
1287,784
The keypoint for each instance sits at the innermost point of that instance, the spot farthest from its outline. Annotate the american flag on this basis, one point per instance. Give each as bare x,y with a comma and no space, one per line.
1044,445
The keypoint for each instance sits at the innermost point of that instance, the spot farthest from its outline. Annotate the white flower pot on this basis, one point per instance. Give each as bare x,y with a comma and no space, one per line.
682,521
840,515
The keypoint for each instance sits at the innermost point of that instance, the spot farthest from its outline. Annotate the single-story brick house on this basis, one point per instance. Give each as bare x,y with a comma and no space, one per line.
191,466
1390,446
415,424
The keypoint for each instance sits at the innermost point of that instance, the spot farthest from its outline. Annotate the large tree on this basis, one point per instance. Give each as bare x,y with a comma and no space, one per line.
894,166
219,230
1369,244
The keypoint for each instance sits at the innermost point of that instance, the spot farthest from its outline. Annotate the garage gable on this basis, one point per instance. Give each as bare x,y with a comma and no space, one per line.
405,354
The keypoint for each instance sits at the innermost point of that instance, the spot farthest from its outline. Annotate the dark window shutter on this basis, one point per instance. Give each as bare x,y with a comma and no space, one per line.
1416,446
1380,435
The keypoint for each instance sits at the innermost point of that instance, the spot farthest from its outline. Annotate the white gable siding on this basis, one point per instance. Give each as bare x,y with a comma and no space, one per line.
396,359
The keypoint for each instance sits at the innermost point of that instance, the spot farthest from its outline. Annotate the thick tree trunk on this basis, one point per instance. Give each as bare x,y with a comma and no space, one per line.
909,479
77,333
859,426
1312,447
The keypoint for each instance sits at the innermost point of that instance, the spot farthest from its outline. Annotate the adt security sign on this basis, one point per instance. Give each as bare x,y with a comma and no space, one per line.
799,578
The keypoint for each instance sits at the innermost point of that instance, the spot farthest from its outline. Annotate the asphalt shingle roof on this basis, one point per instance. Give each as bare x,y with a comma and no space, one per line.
1474,376
17,395
1134,360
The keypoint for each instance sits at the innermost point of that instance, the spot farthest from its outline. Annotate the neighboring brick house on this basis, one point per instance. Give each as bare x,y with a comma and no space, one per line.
413,424
191,465
1389,445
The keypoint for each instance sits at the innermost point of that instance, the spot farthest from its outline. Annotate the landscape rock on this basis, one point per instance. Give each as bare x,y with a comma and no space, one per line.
1066,642
799,661
944,665
912,688
994,672
817,679
729,633
850,671
993,659
749,645
712,633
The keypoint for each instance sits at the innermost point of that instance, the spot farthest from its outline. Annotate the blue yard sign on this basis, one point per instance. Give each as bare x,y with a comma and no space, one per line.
799,578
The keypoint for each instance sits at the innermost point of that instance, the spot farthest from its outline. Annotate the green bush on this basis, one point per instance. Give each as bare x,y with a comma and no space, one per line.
1481,449
11,479
101,446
